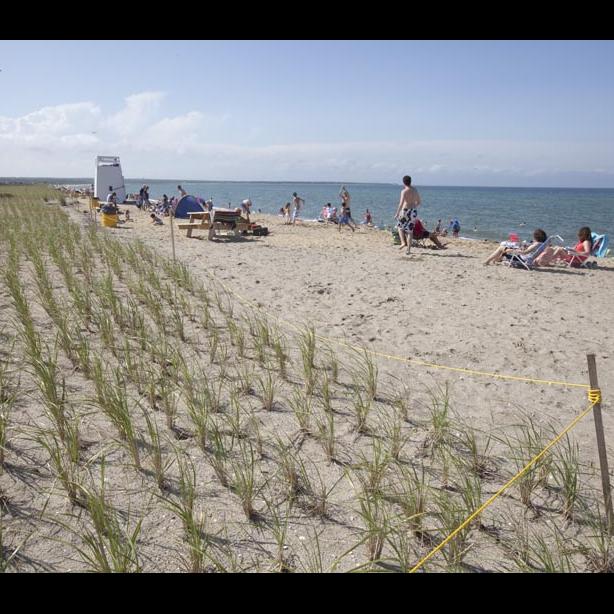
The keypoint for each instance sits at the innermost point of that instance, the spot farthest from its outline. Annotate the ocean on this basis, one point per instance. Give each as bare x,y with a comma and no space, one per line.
484,213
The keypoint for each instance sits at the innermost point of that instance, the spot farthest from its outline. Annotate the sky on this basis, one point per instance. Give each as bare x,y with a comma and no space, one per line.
480,113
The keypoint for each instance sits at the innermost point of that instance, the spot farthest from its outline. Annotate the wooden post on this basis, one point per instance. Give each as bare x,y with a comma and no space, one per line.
172,233
603,457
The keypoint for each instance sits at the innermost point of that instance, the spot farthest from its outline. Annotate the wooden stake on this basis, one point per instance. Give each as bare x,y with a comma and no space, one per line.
172,233
603,457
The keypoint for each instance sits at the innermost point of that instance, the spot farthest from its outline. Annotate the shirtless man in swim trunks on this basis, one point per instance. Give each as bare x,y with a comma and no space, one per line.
407,212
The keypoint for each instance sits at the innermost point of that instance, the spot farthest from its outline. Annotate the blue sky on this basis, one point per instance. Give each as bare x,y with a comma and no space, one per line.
513,113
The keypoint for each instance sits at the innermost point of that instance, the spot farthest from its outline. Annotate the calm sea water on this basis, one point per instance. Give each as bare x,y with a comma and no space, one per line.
484,213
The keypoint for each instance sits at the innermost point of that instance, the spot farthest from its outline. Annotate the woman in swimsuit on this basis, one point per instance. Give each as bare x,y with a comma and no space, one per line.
584,246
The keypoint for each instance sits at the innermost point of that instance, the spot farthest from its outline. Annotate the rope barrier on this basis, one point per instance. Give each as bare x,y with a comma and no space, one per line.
508,484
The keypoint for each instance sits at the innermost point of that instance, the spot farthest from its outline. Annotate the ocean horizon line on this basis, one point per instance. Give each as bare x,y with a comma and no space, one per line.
84,180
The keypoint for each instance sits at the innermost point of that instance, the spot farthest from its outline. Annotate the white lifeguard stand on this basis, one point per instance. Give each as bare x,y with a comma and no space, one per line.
109,174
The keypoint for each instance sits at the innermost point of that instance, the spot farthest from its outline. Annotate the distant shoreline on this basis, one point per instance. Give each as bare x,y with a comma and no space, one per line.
86,180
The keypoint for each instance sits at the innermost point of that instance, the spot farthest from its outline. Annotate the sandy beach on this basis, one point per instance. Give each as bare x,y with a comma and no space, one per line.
306,397
357,290
439,306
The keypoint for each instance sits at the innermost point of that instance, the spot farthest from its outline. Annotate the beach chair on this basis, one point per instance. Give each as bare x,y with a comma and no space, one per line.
526,262
599,250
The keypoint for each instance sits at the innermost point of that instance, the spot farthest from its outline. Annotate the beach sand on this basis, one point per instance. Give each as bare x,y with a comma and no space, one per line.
435,306
443,308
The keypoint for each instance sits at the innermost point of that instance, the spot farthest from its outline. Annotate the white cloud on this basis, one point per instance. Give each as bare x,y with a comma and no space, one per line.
49,123
63,141
138,112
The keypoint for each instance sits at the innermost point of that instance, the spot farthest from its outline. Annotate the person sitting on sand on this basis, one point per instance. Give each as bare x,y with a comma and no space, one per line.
539,236
561,254
331,214
112,196
109,208
420,232
156,220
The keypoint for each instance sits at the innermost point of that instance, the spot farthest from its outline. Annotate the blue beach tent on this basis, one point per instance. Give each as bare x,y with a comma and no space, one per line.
187,204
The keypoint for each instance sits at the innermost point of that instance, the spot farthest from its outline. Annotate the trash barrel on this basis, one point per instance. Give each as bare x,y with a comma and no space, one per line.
109,219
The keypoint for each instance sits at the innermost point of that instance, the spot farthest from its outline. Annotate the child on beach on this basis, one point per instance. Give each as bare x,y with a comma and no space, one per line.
346,219
455,228
287,213
156,220
368,218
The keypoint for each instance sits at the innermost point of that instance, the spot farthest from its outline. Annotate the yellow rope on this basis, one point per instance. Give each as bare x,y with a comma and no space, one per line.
594,395
413,361
503,488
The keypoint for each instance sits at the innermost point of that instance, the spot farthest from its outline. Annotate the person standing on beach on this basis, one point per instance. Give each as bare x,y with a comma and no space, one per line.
246,205
298,202
182,192
407,212
146,202
345,197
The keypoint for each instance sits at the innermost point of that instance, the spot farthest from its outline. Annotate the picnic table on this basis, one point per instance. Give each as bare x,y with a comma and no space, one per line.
217,220
198,219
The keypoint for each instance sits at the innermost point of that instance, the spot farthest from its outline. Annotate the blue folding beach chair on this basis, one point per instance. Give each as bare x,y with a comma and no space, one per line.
526,262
